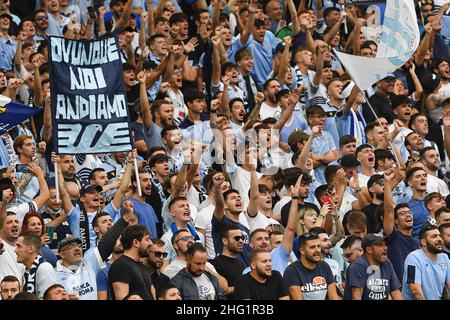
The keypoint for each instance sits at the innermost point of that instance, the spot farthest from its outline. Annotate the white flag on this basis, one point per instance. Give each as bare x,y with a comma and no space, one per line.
399,40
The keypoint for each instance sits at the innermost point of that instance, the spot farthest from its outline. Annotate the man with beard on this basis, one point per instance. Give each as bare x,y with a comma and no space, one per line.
325,253
414,143
171,137
416,178
261,283
397,227
119,15
427,270
375,186
310,278
103,292
441,67
237,114
162,112
270,107
401,107
430,159
127,274
9,287
194,282
41,23
372,276
381,101
444,229
154,262
145,212
227,264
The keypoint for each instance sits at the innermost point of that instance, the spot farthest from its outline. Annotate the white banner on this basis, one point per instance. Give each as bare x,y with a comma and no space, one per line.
399,40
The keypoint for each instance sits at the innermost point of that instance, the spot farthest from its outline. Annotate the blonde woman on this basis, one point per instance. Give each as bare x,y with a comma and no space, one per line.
308,218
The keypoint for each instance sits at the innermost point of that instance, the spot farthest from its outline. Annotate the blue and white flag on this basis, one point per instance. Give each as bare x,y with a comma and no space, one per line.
90,113
399,40
13,113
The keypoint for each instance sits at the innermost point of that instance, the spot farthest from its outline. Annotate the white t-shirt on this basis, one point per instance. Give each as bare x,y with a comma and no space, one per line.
260,221
267,111
45,277
203,221
177,265
206,290
165,213
9,265
280,204
240,180
435,184
363,179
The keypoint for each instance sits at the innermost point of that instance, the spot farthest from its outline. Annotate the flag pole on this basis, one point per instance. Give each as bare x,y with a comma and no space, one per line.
57,182
366,97
136,173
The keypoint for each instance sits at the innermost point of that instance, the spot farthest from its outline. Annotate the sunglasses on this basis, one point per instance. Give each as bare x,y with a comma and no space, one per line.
186,238
380,182
237,238
309,235
42,18
160,254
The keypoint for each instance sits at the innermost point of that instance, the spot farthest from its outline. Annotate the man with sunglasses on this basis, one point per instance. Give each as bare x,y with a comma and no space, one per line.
397,226
227,264
154,262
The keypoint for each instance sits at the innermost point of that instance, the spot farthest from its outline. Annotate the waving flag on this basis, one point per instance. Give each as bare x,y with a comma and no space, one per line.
13,113
399,40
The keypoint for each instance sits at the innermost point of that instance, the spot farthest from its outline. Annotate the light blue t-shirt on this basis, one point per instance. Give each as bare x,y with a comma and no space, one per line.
280,260
431,275
322,145
146,216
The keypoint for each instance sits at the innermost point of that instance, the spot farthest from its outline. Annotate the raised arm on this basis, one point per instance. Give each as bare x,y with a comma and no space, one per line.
421,51
65,198
216,68
142,33
282,69
44,194
328,38
145,106
286,114
47,134
388,219
319,67
219,210
446,121
289,231
294,17
417,94
252,9
252,209
37,86
307,147
125,17
18,55
126,179
101,21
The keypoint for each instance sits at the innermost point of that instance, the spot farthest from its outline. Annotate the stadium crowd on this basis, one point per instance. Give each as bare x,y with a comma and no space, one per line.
264,174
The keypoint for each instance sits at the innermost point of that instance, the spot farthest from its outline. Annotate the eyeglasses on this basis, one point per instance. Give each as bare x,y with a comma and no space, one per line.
185,238
380,182
41,18
160,254
237,238
309,235
404,213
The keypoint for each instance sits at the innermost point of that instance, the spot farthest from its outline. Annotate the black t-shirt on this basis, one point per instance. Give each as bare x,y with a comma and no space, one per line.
287,207
247,287
373,222
129,271
313,283
155,201
159,279
229,268
399,246
381,106
132,96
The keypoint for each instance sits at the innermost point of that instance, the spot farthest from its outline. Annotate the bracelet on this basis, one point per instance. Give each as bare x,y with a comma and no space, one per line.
295,197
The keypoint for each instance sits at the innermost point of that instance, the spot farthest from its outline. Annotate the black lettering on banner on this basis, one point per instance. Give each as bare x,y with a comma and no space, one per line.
88,96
